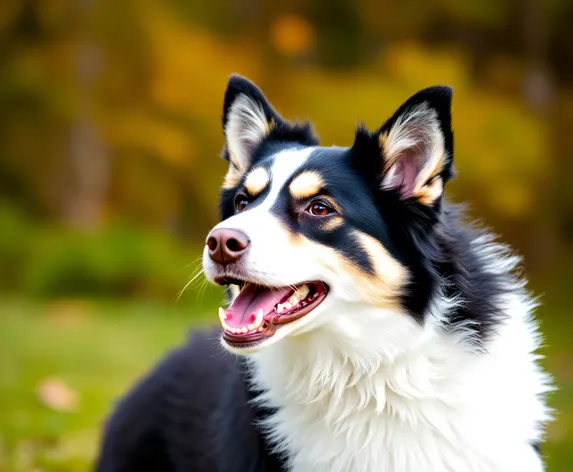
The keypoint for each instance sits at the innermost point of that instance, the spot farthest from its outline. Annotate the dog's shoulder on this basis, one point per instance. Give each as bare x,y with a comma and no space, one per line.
190,412
181,389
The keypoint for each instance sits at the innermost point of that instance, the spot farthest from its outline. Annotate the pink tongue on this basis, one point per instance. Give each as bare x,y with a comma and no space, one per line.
250,300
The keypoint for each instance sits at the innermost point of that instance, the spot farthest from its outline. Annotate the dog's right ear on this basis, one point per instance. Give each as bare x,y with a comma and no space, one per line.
248,119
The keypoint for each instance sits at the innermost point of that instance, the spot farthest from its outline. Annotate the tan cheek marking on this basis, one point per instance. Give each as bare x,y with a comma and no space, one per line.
306,185
391,273
382,290
256,181
379,290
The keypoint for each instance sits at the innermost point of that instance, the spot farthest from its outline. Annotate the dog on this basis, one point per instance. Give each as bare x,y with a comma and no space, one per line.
369,329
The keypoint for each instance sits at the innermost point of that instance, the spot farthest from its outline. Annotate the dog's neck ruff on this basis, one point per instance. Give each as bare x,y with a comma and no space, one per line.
399,397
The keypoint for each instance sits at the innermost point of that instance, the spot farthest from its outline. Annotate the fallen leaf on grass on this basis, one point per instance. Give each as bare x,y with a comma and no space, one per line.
69,313
57,395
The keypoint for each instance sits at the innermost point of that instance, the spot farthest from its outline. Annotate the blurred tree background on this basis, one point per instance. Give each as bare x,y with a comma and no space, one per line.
110,133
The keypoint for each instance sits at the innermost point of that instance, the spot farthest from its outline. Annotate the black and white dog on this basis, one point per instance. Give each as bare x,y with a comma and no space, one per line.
370,330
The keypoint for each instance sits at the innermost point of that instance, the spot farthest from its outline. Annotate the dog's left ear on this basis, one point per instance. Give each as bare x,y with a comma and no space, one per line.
416,146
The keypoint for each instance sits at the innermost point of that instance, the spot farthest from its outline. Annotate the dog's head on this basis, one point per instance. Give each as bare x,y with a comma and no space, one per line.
309,232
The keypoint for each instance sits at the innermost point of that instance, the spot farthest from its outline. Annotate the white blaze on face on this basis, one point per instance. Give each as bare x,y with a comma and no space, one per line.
269,259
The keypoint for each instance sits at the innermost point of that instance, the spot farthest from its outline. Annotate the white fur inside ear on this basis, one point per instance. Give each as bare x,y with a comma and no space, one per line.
414,151
246,128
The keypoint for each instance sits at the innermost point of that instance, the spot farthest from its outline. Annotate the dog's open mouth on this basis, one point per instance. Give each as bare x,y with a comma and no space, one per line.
258,311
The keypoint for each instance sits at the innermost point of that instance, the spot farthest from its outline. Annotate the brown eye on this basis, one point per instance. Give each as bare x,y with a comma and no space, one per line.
319,209
241,201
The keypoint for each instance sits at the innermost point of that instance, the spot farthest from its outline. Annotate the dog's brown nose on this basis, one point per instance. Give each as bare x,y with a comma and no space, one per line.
227,245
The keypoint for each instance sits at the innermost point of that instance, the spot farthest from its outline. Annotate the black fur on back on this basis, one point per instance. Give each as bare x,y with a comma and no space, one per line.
467,272
191,413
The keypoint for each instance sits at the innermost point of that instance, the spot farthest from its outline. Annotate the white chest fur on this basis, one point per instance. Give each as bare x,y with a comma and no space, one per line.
399,398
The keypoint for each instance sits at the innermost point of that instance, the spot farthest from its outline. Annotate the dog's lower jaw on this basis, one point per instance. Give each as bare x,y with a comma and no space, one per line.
434,403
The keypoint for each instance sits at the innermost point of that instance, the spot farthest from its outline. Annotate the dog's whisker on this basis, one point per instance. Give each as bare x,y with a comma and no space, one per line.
190,282
191,263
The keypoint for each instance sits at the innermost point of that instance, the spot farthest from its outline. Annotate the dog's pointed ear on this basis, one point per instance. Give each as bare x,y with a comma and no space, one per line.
416,146
248,119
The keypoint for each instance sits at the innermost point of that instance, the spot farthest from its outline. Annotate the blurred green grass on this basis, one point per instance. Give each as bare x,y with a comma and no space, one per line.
98,349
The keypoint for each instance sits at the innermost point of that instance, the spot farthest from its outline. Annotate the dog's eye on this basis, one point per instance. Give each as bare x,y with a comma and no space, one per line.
241,201
320,208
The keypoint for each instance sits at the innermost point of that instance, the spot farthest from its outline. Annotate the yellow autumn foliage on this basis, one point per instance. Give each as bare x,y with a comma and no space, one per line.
292,35
160,78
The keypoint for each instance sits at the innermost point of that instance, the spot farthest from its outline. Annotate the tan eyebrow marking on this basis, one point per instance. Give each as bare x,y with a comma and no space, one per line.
306,184
257,180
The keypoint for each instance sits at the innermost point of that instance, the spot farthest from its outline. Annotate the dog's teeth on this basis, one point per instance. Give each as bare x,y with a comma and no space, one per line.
251,327
244,330
287,305
259,318
293,299
303,291
279,308
232,330
260,329
222,314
